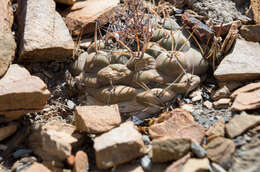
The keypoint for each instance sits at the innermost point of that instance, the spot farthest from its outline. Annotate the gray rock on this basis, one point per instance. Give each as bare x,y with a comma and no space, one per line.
43,34
197,150
146,163
217,168
240,64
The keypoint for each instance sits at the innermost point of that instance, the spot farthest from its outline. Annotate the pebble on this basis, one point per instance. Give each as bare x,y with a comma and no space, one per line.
146,163
70,104
198,150
146,139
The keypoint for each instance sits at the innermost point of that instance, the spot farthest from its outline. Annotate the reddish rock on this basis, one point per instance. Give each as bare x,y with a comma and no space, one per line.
84,14
53,141
223,103
247,101
168,149
196,165
241,123
119,145
21,93
43,34
177,166
97,119
216,130
36,167
221,150
245,89
81,162
177,124
7,42
7,131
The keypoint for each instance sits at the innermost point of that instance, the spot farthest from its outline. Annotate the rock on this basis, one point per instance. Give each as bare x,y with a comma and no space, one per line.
42,32
36,167
81,162
223,103
7,42
21,93
240,64
251,32
208,104
120,145
84,14
246,101
97,119
169,149
218,129
177,166
247,157
66,2
21,153
196,165
241,123
255,4
7,131
196,95
146,163
129,167
177,124
53,141
217,168
220,150
198,151
245,89
78,66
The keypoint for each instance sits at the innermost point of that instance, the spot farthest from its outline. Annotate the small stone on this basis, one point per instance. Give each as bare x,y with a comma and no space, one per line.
217,168
188,107
97,119
196,96
81,162
53,141
36,167
169,149
177,124
222,103
146,139
83,14
240,124
198,151
7,131
43,34
208,104
196,165
70,104
146,163
220,150
119,145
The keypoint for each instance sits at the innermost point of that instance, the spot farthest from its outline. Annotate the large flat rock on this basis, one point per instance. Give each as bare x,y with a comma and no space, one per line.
43,34
21,93
241,64
119,145
7,42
